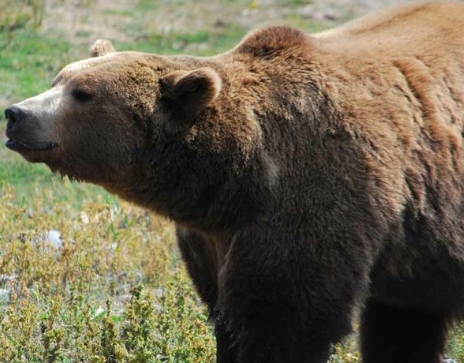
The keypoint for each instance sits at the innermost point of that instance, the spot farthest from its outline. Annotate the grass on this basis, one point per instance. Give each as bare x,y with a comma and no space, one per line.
85,277
203,43
112,290
28,62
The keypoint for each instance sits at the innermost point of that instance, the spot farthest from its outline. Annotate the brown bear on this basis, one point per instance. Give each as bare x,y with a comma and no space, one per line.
310,177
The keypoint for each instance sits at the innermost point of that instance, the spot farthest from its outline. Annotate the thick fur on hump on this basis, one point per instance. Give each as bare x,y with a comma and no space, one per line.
310,177
272,40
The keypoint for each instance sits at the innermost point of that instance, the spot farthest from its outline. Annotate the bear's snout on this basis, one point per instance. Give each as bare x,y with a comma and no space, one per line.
25,132
13,115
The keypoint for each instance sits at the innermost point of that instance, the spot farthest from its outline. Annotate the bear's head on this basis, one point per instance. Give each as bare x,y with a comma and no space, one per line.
160,131
99,112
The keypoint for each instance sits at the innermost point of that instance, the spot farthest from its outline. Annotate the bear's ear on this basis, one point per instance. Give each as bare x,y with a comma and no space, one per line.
101,47
188,92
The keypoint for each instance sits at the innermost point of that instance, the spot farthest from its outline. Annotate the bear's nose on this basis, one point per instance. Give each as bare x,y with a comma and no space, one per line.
13,114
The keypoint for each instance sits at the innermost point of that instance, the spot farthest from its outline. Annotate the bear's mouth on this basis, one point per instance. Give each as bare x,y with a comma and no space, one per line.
23,148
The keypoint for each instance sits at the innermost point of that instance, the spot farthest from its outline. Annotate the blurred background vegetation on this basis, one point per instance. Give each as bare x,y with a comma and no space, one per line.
85,277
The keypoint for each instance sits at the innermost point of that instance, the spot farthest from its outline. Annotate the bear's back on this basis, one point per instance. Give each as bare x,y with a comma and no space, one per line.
409,29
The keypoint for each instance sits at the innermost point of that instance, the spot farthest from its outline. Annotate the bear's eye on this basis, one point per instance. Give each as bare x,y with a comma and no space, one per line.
81,96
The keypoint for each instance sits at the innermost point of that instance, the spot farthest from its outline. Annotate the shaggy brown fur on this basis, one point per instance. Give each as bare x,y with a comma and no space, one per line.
308,176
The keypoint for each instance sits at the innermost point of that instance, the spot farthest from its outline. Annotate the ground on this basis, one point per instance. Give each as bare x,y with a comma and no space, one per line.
77,20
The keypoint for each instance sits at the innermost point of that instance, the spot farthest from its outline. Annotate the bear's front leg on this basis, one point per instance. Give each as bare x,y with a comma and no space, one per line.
286,299
269,334
200,256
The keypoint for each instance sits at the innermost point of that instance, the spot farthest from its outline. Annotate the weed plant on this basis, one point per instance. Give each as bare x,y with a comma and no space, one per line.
104,284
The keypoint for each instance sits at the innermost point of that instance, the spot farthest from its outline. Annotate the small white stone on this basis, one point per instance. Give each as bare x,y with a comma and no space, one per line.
85,218
54,237
4,294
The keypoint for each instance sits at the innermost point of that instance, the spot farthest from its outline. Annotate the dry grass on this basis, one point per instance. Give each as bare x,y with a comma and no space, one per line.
109,288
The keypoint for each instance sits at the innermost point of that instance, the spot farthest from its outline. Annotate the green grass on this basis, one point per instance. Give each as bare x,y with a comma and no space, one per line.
202,42
116,290
29,62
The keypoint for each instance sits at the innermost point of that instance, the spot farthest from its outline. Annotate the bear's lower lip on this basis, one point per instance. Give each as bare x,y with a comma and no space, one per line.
22,148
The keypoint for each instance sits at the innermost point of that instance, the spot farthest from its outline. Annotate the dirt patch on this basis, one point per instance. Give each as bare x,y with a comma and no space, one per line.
78,21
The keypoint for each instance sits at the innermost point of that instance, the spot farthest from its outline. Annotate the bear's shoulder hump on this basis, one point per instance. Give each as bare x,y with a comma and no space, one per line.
273,40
